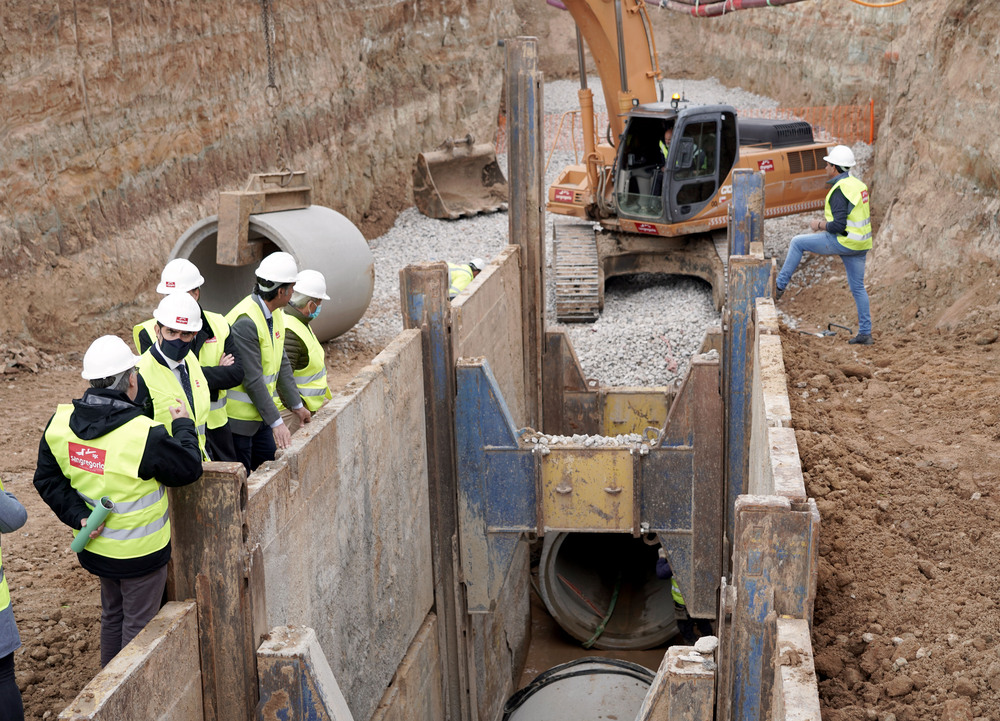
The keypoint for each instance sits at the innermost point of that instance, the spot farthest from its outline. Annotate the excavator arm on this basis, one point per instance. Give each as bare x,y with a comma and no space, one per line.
620,40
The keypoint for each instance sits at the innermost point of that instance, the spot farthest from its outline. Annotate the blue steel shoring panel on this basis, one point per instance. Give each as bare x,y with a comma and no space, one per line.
495,482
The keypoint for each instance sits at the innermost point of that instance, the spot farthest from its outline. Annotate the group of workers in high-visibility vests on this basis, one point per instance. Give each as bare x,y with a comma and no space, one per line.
204,386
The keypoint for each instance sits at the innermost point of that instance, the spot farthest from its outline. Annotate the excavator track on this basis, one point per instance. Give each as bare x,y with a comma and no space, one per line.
578,273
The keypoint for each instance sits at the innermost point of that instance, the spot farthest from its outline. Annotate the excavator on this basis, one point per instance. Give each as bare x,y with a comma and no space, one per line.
659,187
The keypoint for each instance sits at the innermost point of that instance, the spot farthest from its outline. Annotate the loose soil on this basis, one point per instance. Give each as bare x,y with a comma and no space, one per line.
898,446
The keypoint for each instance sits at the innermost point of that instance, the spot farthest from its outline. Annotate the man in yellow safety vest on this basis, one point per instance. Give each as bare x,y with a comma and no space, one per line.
461,274
103,446
302,348
846,230
258,325
12,517
214,347
169,373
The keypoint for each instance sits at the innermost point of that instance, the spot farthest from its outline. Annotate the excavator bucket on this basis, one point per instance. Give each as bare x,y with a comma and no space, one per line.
458,179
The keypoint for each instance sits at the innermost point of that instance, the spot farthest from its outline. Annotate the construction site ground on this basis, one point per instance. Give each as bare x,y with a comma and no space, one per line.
898,443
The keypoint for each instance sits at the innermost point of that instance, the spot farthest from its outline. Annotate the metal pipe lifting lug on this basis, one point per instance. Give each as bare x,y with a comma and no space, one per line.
612,491
565,489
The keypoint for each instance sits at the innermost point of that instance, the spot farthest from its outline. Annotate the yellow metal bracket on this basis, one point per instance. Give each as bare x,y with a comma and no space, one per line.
264,193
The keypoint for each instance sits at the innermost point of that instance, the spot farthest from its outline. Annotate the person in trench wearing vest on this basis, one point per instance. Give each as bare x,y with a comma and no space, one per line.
302,348
102,445
12,517
169,373
214,347
846,230
258,325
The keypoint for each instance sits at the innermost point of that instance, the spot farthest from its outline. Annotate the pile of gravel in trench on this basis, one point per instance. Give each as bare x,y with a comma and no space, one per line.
651,324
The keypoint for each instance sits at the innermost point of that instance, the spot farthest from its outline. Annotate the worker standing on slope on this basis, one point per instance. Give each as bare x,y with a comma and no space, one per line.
103,445
302,348
12,517
846,230
214,347
258,325
461,274
169,373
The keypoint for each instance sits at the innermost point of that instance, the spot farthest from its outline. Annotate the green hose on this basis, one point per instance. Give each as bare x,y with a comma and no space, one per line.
607,617
94,521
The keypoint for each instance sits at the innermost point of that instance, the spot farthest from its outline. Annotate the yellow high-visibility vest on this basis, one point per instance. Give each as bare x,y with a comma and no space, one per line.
859,221
4,590
310,380
238,403
209,355
109,466
459,276
164,388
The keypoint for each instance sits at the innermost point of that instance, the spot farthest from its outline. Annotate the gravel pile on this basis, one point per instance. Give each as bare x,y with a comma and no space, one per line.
651,325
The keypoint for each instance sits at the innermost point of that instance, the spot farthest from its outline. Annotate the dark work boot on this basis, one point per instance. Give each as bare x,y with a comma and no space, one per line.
861,339
778,292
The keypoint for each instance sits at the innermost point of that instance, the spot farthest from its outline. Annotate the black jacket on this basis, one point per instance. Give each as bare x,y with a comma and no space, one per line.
171,460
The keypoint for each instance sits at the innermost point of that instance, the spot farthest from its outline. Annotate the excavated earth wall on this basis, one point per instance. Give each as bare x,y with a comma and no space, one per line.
123,120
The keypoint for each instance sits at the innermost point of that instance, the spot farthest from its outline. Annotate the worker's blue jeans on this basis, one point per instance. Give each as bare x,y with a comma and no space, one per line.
824,243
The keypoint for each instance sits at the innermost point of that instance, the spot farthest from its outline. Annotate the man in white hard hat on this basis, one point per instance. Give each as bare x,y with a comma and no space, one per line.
214,347
845,230
103,445
258,326
461,274
302,348
169,373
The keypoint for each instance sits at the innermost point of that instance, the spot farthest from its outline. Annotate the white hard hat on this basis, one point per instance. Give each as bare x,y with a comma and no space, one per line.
108,356
179,311
841,156
311,283
478,263
278,267
179,276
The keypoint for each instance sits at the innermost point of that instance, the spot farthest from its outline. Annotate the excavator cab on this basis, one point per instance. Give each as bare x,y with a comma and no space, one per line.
671,163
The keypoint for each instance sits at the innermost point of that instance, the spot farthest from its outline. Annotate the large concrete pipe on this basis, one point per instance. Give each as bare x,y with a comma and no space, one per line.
319,238
581,574
588,689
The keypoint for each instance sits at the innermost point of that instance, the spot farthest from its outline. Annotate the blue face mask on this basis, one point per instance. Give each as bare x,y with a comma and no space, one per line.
315,313
175,350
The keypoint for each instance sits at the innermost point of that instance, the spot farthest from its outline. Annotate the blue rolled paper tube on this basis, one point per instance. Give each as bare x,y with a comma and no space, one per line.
97,516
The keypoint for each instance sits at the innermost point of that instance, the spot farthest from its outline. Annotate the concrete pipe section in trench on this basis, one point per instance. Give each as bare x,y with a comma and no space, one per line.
581,574
319,238
588,689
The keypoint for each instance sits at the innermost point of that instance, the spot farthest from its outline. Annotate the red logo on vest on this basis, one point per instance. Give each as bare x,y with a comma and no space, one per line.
86,458
864,196
765,165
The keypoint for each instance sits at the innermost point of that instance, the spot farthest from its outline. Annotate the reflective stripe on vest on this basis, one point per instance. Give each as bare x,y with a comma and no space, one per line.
4,591
209,356
165,388
150,327
459,277
238,403
109,466
310,380
859,223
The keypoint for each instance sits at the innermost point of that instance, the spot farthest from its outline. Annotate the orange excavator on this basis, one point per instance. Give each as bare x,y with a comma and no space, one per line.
660,185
